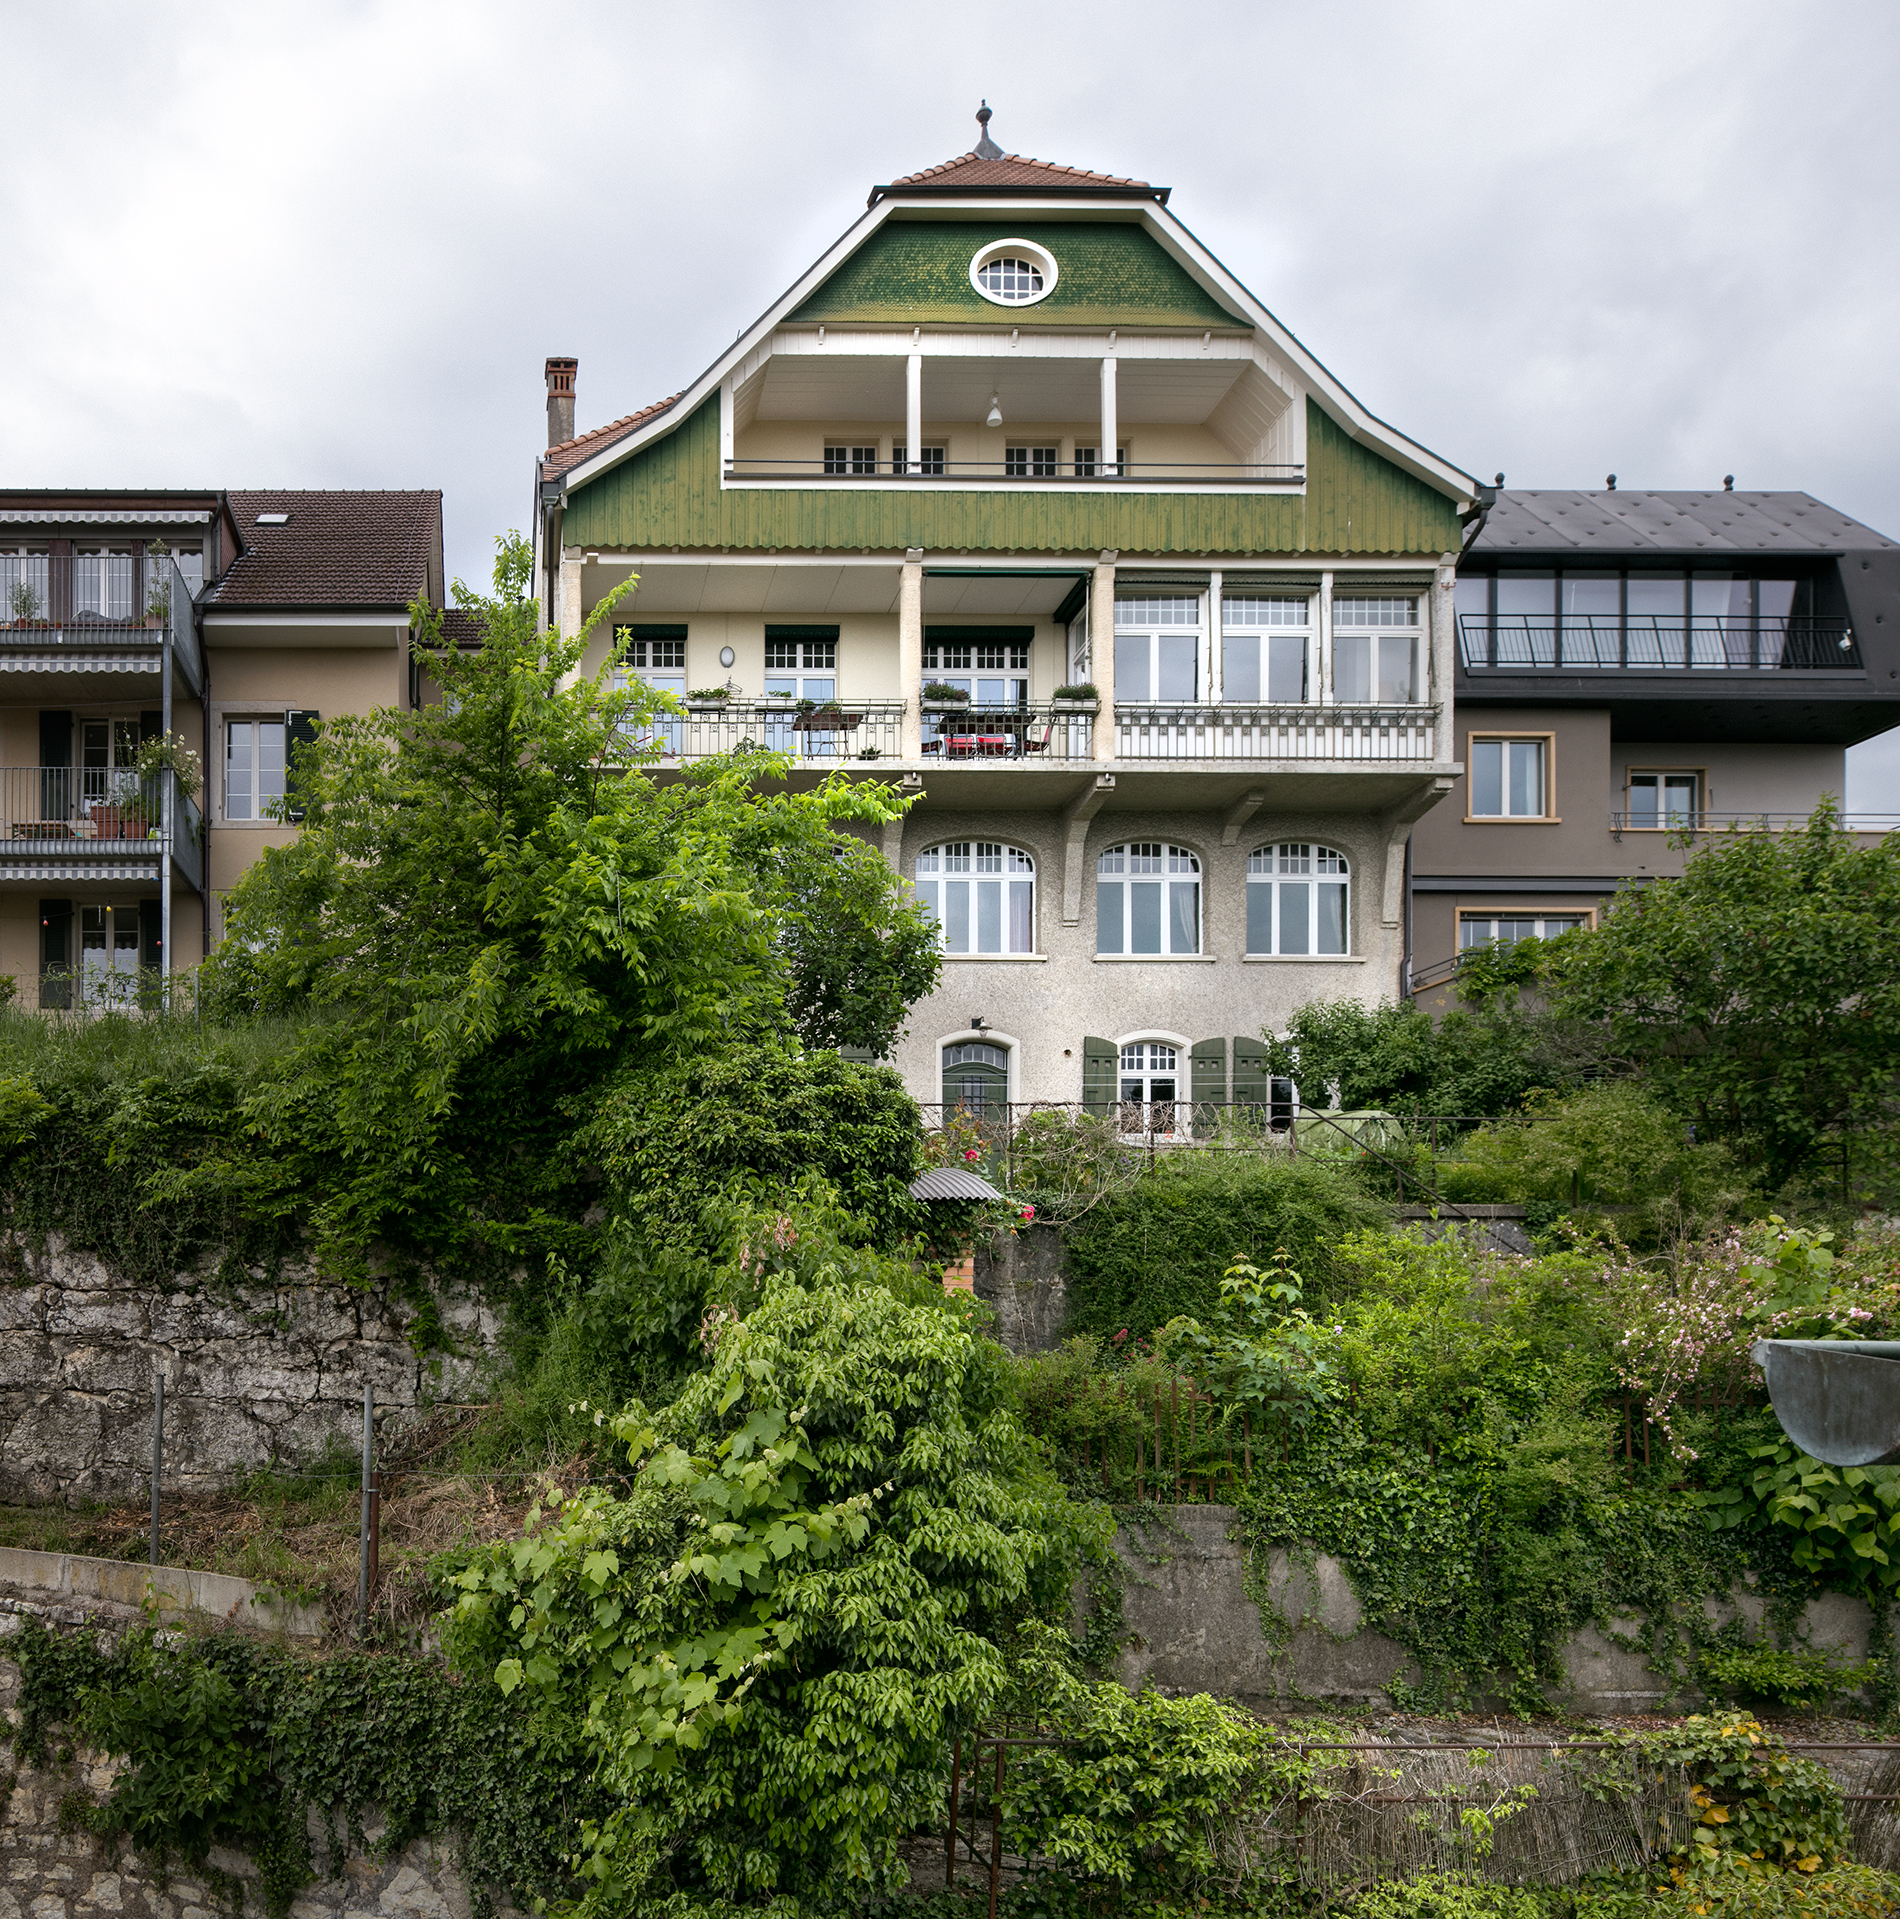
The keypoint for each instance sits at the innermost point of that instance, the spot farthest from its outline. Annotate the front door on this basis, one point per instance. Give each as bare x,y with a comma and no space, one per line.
109,954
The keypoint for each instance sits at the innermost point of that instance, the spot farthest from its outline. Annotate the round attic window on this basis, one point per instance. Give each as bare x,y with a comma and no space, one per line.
1014,273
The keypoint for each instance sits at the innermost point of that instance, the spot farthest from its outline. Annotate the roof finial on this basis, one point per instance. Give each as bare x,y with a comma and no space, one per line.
986,148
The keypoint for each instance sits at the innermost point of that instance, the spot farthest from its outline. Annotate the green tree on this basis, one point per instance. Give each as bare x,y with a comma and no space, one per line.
493,903
1759,994
1476,1061
829,1542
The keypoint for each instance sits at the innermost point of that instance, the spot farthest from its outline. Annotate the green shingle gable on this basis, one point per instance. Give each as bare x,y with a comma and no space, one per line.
668,494
917,273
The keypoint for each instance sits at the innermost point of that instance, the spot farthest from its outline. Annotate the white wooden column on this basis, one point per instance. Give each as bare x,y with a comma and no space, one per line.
1440,662
1215,677
913,410
1325,639
910,651
1102,652
1111,431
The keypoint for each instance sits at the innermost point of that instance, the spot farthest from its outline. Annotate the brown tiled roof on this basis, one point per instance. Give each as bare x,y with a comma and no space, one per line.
336,549
1011,170
460,627
583,446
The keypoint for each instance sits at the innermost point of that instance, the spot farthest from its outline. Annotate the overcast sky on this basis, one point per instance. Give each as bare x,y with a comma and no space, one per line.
331,245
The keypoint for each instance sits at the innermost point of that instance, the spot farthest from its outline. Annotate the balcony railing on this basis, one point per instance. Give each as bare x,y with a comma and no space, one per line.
1134,473
68,605
1643,642
1275,732
850,730
1034,735
1699,821
74,814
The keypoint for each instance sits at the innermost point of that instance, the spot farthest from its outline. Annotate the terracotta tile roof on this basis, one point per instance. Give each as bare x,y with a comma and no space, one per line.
334,550
583,446
1011,170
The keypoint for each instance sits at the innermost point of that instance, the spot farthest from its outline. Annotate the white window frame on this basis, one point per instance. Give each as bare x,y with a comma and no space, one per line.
1302,866
928,464
954,878
1548,743
1393,629
1031,462
1160,862
1088,461
1264,618
257,816
110,984
1539,916
1152,623
1038,257
1662,775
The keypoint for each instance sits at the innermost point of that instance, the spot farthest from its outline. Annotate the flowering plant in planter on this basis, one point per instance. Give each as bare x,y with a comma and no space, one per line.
167,753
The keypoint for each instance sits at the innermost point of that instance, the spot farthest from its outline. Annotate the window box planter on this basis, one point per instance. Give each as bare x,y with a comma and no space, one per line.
1075,706
961,705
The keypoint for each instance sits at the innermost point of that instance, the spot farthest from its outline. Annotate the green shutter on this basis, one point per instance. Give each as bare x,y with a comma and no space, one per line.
1251,1080
56,954
300,729
1209,1083
1101,1061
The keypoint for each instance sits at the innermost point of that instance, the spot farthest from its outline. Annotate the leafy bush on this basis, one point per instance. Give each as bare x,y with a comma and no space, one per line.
1842,1522
1157,1249
1798,1679
829,1539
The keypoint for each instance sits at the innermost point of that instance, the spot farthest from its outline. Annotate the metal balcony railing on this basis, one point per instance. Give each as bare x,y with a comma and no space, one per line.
1031,735
74,814
64,605
1031,472
1646,643
1702,821
830,734
1311,732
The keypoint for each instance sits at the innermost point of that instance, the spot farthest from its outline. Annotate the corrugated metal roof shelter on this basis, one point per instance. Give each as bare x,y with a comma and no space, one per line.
951,1182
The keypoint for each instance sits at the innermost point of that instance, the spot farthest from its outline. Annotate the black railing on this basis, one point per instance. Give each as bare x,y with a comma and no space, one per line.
1032,473
1647,642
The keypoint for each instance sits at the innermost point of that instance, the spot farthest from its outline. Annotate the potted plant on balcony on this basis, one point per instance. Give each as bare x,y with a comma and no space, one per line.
158,597
1079,698
23,602
167,753
709,695
938,696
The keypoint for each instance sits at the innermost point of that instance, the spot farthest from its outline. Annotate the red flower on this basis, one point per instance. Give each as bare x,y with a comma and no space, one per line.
969,1152
1029,1212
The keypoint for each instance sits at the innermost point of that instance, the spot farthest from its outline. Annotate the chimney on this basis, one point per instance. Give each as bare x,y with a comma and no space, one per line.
561,369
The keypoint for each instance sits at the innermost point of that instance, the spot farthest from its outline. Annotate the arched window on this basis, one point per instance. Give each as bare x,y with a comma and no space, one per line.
981,894
975,1075
1296,900
1147,899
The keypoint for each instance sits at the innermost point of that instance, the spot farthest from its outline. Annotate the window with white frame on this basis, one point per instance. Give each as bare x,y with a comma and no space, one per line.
801,669
850,459
982,895
1510,778
658,658
1375,649
992,671
102,584
1088,461
1147,899
24,591
1014,272
1150,1072
1664,800
1297,904
1506,929
253,767
1158,648
929,460
1265,648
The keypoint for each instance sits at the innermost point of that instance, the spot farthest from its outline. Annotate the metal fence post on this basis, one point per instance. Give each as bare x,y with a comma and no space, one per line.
158,1456
363,1543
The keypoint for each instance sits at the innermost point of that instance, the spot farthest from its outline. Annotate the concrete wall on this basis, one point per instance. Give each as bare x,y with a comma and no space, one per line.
1197,1630
266,1372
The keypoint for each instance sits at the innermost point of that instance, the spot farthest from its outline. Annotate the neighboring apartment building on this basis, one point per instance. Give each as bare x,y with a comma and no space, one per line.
1630,664
1019,431
233,620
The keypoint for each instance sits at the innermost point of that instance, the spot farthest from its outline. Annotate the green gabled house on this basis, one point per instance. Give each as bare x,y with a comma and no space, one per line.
1020,498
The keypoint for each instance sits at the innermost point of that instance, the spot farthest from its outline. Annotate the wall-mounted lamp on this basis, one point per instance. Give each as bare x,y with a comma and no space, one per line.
996,412
726,656
976,1023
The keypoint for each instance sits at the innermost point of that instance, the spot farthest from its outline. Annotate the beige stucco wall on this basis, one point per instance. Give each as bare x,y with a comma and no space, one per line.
1044,1007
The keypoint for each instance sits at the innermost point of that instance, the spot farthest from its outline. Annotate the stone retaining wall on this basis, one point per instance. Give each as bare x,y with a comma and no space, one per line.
270,1372
1197,1630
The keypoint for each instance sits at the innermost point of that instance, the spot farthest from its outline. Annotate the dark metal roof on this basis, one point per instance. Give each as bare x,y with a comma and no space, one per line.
1687,523
951,1182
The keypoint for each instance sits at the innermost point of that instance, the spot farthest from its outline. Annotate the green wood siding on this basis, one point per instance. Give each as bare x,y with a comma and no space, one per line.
668,494
917,273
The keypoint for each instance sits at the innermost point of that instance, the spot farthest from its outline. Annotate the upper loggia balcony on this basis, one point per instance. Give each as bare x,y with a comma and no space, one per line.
124,618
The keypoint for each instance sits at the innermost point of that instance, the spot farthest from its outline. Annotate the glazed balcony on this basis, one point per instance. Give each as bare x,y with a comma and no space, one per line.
1655,643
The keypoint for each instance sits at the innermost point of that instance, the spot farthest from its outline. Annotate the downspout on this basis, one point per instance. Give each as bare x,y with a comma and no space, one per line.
1486,497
